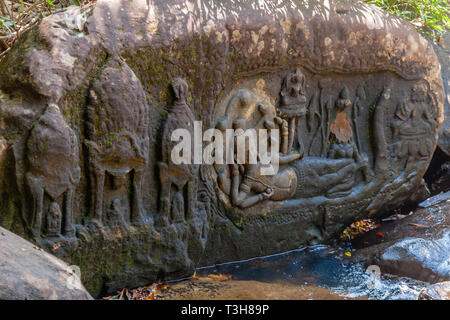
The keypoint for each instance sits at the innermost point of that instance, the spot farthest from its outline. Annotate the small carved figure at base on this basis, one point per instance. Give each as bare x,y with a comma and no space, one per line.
54,219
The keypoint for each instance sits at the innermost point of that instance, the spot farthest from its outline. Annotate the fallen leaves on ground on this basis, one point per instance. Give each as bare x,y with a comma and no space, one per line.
358,228
154,291
151,292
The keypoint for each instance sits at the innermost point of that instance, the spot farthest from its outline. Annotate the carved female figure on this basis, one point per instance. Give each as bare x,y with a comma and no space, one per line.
177,176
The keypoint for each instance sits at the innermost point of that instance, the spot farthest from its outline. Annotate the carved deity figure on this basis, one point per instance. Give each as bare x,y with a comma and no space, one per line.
54,219
293,104
415,120
244,183
117,131
52,154
177,180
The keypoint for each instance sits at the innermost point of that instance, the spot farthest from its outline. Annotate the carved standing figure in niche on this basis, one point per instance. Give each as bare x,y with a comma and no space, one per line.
54,220
342,132
178,181
293,104
52,154
357,108
117,131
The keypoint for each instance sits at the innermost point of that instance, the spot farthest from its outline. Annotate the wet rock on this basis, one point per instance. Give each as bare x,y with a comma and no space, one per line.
91,97
437,291
417,246
28,272
422,255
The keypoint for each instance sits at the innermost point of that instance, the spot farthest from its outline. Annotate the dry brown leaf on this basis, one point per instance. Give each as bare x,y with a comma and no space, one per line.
219,277
418,225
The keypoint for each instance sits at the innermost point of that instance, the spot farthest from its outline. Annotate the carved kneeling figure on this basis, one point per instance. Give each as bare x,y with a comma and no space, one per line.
280,186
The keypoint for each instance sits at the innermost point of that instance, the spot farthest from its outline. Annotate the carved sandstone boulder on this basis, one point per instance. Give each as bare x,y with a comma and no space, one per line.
355,93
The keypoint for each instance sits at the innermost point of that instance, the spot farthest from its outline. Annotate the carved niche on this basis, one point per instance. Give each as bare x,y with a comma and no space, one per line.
52,157
117,141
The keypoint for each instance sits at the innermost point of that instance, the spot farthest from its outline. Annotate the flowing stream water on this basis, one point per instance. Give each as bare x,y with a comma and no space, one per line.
323,270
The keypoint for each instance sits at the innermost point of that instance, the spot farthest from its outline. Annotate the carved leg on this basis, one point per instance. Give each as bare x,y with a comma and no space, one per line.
235,199
69,229
38,203
223,178
137,214
300,141
250,201
99,177
284,137
192,199
291,134
165,203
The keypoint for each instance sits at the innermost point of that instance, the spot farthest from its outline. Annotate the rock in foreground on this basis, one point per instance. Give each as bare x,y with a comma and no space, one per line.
29,273
417,246
437,291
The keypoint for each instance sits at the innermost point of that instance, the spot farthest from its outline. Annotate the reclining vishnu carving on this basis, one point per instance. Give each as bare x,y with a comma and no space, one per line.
299,176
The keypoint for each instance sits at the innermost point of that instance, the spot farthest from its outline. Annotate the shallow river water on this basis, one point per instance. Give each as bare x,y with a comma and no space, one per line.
317,272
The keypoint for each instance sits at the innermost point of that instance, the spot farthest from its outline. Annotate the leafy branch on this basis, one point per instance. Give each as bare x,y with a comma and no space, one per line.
431,17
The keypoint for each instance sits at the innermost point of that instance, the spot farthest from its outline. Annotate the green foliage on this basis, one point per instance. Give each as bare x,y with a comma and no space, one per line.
430,16
6,23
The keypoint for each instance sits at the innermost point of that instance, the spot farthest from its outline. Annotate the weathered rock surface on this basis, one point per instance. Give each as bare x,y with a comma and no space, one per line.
437,291
97,92
443,52
28,272
417,246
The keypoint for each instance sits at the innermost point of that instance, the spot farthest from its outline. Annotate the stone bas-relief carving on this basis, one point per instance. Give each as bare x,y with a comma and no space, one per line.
52,154
87,113
117,137
181,177
245,184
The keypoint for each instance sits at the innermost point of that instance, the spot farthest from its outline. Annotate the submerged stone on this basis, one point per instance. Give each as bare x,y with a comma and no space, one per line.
96,93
